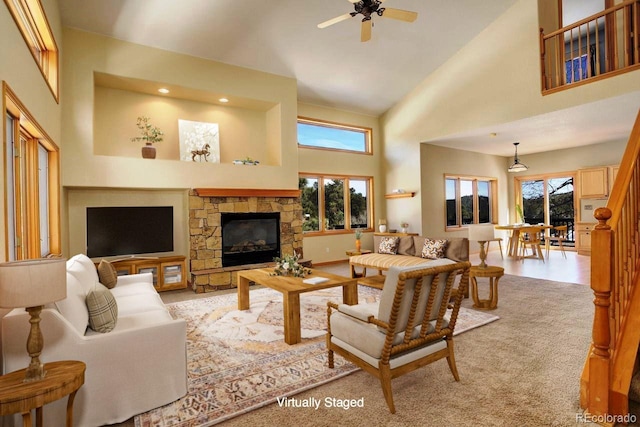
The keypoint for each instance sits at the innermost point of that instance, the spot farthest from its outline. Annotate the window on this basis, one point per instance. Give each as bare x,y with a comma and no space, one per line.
469,200
333,136
335,203
33,185
548,199
32,23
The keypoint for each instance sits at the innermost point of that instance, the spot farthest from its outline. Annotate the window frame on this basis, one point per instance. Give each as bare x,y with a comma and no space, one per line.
368,135
347,203
28,139
517,186
493,200
33,24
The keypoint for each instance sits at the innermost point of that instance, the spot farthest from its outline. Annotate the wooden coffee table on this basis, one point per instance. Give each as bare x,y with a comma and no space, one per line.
291,288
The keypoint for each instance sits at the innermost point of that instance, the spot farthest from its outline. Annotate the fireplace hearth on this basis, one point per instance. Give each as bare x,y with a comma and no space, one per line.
250,238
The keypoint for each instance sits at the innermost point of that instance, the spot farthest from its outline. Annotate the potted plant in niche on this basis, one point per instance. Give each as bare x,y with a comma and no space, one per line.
150,135
358,236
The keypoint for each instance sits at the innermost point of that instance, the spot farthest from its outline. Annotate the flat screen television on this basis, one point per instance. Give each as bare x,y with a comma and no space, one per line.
129,230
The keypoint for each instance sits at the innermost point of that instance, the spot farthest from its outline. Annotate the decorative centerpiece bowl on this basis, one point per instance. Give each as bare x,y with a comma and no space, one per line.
288,266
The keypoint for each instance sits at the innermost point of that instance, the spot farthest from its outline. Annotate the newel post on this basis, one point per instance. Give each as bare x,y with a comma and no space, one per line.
602,260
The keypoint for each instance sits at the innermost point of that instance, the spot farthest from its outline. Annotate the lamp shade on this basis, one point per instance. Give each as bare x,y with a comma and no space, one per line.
481,232
32,283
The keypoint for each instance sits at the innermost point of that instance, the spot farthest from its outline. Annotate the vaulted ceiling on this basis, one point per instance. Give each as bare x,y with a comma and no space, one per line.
332,66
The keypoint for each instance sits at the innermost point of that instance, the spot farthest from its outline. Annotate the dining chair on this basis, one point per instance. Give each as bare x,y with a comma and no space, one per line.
496,239
531,237
559,234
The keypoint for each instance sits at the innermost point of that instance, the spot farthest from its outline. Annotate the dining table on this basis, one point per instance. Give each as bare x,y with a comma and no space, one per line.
514,238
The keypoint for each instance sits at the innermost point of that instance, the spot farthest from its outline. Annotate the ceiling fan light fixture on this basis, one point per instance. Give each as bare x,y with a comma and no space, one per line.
517,166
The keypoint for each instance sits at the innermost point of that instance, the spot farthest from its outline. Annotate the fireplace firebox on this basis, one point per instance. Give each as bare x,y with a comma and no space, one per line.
250,238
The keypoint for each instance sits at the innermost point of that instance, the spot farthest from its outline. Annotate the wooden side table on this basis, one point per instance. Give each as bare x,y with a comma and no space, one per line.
494,274
62,379
354,252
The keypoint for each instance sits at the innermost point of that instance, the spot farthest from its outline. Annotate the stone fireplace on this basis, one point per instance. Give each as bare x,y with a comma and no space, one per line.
250,238
253,244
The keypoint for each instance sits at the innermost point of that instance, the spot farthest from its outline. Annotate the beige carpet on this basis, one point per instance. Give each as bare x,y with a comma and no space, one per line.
522,370
237,360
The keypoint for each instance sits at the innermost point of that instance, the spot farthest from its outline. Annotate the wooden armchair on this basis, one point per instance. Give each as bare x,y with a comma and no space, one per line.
409,328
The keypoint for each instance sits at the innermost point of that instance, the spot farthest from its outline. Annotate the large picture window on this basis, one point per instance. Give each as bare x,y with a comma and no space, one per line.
313,133
332,204
469,200
32,185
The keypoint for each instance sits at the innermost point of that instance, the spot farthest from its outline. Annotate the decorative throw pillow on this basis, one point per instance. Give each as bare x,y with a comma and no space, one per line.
434,248
103,310
107,274
389,245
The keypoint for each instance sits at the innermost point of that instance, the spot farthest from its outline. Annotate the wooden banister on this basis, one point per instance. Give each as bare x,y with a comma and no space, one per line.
615,269
599,46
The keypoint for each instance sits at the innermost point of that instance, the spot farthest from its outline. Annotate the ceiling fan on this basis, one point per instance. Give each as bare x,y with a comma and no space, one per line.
367,8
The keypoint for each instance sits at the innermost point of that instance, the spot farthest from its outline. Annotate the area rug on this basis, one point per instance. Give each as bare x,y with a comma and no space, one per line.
237,361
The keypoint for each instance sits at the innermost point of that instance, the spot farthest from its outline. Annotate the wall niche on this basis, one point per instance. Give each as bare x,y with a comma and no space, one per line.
247,127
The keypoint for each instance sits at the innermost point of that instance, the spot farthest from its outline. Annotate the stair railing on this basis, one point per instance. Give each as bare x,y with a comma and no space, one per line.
615,266
599,46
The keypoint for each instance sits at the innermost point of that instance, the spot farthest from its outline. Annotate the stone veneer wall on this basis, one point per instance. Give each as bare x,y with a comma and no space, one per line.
205,235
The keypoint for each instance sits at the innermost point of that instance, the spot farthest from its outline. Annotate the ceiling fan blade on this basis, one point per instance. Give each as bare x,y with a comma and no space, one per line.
365,31
402,15
335,20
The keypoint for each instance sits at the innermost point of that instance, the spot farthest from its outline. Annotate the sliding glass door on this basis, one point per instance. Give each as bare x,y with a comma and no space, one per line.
548,199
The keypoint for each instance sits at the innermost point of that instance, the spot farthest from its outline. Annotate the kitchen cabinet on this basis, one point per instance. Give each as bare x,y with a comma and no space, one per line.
583,237
593,182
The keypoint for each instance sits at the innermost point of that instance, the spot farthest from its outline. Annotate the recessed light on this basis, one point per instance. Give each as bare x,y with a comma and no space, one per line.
163,90
223,100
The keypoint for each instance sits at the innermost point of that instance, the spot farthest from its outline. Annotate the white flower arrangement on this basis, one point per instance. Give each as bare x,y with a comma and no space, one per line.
288,266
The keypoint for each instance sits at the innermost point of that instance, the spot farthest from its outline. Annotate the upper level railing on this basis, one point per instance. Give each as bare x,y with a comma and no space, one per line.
615,272
599,46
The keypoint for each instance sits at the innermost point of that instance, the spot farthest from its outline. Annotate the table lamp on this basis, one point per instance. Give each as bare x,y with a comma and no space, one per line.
481,233
32,284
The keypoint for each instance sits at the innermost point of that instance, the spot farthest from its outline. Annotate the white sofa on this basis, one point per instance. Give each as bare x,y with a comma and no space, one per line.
138,366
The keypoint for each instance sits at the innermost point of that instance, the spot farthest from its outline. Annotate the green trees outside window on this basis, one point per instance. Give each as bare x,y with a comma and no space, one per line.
335,203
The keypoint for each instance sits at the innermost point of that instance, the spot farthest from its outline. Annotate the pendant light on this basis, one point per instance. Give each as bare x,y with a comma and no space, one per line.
517,166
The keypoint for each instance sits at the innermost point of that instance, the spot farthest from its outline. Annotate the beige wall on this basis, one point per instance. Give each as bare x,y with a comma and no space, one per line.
89,163
88,53
331,248
243,132
437,161
80,199
19,70
494,79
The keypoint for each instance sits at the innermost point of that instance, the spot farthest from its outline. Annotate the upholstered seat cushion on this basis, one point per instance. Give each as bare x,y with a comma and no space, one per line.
385,261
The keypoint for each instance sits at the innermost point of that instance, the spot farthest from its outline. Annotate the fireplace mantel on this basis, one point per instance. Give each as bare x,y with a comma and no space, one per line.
245,192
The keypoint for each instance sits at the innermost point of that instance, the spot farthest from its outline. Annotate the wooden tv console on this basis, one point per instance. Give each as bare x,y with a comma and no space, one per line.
169,272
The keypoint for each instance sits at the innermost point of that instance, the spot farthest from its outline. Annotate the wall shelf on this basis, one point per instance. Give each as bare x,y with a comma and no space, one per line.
399,195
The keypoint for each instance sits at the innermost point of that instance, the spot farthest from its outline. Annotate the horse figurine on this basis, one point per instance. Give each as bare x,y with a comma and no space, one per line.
202,152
